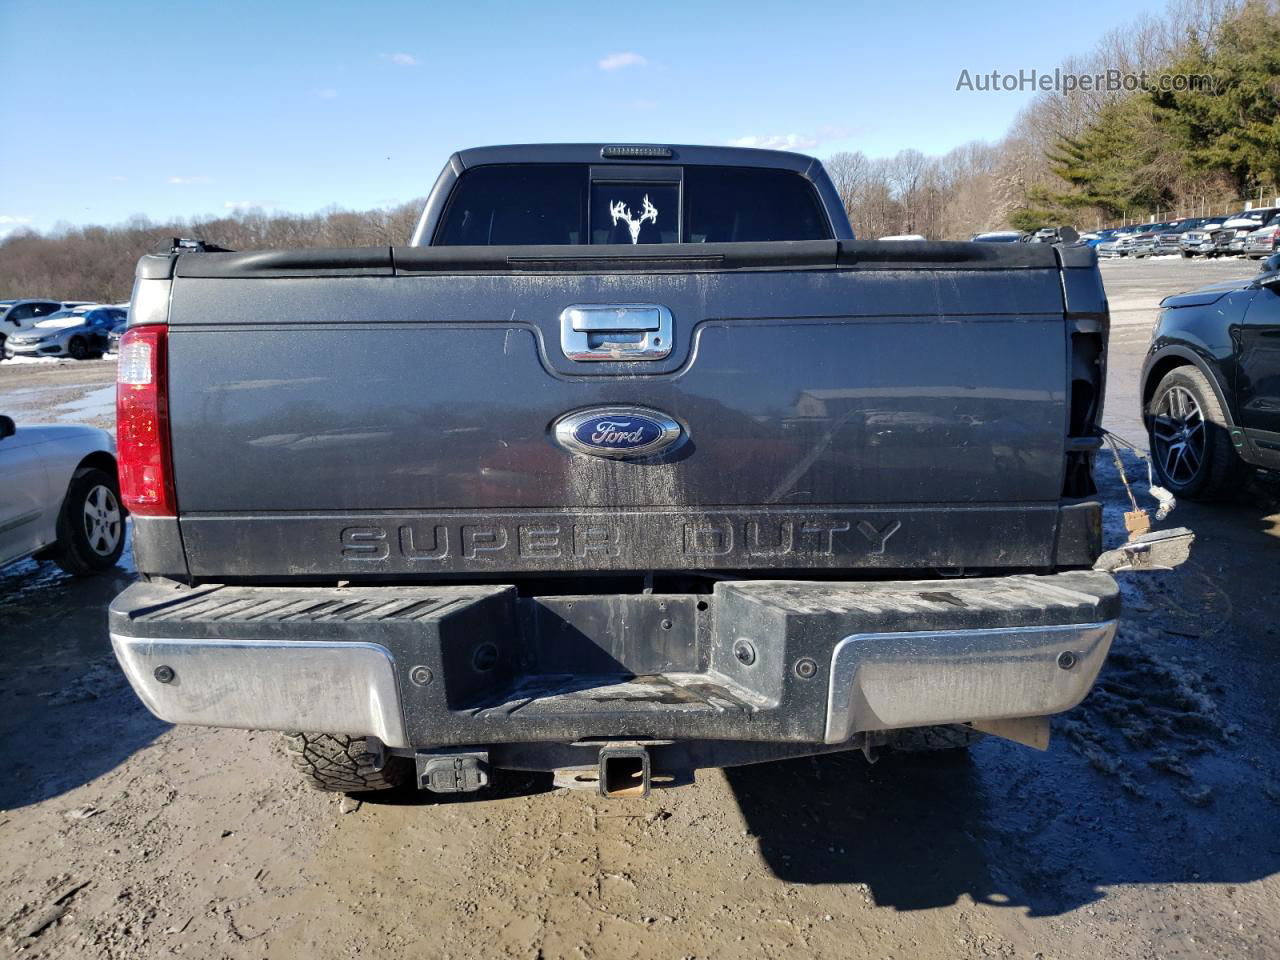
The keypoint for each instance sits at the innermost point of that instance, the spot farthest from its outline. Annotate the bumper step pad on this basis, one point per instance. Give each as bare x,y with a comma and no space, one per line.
570,694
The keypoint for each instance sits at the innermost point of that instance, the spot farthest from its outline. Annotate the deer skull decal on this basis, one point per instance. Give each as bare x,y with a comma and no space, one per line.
620,211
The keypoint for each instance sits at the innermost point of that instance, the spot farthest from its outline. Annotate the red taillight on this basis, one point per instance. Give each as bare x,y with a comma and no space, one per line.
142,423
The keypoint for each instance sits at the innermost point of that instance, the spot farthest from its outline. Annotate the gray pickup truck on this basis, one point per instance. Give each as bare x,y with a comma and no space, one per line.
633,462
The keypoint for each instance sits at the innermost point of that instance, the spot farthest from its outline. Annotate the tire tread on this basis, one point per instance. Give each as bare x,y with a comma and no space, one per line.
67,551
344,764
951,736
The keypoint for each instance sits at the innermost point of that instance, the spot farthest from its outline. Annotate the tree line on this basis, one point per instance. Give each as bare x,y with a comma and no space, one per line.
96,263
1091,157
1085,157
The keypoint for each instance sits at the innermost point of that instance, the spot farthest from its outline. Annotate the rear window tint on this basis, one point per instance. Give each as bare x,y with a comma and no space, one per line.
519,205
526,204
742,205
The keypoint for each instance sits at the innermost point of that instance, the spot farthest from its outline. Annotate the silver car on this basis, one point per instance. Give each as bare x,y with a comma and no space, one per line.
1236,230
1119,245
1264,241
19,315
60,497
1200,240
80,333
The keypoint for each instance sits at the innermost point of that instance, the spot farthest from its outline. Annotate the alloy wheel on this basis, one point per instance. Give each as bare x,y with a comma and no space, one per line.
1178,435
102,520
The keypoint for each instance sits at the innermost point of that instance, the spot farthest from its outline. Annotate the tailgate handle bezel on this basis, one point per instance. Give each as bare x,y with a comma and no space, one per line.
615,331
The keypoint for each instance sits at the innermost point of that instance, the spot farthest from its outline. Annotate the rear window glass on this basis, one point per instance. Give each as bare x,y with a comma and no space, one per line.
492,206
742,205
560,204
635,212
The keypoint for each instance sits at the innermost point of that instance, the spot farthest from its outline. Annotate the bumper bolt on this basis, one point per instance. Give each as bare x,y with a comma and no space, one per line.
485,657
806,668
164,674
744,652
1066,659
420,676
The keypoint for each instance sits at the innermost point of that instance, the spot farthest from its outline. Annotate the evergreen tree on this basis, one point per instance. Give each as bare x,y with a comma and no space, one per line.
1234,125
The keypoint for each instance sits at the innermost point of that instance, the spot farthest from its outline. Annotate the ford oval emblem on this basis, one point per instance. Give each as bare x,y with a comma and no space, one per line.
617,432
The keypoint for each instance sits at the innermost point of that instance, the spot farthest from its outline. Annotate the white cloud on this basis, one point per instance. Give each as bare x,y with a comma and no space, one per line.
187,181
400,59
10,223
778,141
117,178
794,141
617,61
240,206
324,93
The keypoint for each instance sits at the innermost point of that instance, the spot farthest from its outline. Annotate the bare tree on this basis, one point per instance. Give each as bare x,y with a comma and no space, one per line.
848,171
96,263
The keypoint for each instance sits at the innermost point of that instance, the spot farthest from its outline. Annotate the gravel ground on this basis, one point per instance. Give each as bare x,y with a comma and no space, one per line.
1151,828
48,390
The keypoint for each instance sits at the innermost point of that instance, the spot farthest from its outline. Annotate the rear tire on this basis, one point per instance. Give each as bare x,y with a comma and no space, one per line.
90,524
952,736
1190,438
342,764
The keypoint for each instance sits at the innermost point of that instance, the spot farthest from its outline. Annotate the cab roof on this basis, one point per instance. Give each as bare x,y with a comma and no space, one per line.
634,154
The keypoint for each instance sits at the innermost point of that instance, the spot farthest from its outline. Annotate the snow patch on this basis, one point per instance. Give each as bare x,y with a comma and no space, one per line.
94,404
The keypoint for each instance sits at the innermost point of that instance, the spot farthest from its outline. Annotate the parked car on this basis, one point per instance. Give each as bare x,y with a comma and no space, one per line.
580,572
1142,243
1097,237
113,338
1233,234
79,333
1147,240
1201,239
16,315
1264,241
999,236
903,236
1211,385
1119,244
60,497
1169,240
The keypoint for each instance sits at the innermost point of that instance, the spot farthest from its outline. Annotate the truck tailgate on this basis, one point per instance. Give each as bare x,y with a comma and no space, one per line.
838,411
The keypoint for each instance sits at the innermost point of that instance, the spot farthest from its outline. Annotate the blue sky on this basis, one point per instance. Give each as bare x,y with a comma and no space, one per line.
115,108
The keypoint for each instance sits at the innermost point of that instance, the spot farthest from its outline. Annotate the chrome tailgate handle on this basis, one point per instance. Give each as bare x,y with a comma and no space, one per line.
615,331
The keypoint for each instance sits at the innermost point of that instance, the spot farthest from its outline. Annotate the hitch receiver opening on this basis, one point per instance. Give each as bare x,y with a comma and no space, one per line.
624,773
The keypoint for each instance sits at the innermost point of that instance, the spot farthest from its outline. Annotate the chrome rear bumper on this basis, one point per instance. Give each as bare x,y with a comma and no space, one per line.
882,681
766,661
330,686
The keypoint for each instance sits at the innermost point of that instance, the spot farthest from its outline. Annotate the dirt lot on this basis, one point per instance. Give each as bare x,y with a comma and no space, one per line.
1151,829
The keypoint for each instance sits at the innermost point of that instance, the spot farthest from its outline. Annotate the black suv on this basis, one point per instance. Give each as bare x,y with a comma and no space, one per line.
1211,385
